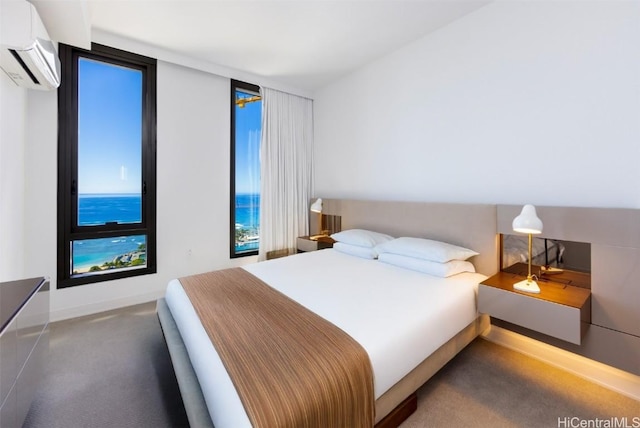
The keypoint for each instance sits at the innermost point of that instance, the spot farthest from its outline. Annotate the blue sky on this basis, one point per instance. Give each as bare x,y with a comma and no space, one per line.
248,124
109,128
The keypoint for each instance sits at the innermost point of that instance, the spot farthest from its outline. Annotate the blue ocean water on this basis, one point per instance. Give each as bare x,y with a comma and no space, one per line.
98,209
247,211
96,252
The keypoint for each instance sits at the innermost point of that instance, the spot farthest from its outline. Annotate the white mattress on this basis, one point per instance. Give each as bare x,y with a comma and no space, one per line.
399,317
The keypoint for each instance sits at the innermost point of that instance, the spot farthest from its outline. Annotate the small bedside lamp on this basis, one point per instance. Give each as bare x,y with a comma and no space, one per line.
529,223
316,207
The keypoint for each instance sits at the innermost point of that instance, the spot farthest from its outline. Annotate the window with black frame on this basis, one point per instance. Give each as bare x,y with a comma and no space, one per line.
246,116
106,165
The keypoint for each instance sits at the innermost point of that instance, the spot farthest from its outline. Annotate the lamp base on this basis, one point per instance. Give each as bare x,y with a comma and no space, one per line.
317,237
528,286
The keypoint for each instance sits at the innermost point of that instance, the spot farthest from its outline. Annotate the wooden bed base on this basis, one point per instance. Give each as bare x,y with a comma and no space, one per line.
400,413
392,408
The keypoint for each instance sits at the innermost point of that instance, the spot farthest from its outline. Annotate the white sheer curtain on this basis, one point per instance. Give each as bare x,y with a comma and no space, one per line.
286,165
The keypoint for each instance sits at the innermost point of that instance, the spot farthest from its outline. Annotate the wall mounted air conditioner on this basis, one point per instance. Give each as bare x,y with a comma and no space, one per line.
27,54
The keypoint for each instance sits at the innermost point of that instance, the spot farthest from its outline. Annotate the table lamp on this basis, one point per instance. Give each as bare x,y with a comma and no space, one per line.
529,223
316,207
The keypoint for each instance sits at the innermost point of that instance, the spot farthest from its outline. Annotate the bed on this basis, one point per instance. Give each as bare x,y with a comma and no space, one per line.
409,323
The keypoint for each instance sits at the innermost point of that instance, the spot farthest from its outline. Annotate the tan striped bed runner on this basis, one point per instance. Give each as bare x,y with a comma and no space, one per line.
291,367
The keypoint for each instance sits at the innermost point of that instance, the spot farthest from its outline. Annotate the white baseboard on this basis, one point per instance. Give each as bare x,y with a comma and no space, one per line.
609,377
94,308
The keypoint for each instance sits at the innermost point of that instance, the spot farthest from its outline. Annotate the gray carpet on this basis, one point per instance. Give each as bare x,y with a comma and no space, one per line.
113,370
487,385
108,370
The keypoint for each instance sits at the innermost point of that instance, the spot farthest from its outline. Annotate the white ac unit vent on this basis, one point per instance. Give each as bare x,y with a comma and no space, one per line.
27,54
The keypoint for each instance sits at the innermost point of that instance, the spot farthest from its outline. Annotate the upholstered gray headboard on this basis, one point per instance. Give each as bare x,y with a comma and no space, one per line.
468,225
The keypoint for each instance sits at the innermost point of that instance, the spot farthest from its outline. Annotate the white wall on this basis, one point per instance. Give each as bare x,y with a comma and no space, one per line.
193,191
517,102
193,171
12,130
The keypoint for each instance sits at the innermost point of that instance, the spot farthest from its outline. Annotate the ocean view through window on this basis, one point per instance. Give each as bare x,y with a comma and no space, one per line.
96,209
246,116
106,183
92,256
247,222
103,254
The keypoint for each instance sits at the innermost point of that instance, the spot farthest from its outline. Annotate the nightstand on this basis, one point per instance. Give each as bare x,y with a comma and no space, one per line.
559,310
307,244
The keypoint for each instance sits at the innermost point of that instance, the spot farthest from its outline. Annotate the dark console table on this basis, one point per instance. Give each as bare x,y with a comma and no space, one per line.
24,343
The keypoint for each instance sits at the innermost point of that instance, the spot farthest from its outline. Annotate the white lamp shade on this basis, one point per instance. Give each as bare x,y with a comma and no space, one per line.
527,221
316,207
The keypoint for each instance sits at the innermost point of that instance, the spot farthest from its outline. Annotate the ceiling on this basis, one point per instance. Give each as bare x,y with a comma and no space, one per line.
303,43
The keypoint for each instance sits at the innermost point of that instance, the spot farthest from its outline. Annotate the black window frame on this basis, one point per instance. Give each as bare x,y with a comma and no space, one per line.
68,229
235,85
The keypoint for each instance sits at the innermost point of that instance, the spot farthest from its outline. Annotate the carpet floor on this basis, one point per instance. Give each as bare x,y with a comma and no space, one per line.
487,385
113,370
108,370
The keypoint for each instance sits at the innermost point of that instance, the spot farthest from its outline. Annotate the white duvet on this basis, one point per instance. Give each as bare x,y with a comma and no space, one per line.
399,317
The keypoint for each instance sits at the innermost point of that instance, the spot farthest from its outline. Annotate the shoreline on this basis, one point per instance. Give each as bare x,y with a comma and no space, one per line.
121,261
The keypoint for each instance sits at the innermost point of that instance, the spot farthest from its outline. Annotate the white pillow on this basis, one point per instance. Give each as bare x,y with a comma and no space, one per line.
361,237
442,270
354,250
425,249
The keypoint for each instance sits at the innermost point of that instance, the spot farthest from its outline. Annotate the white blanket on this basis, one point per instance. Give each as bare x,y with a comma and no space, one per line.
399,316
